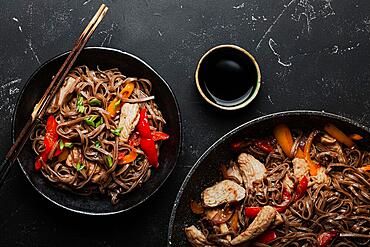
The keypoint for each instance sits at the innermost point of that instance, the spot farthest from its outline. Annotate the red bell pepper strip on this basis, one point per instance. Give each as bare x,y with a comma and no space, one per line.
301,189
143,125
264,146
252,212
150,150
326,238
51,137
146,141
237,146
159,136
266,237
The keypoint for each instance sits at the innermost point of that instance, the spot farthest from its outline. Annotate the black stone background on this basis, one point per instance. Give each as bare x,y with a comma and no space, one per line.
314,54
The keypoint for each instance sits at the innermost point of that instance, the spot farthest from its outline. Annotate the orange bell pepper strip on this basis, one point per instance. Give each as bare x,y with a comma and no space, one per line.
365,168
124,158
115,104
338,135
285,140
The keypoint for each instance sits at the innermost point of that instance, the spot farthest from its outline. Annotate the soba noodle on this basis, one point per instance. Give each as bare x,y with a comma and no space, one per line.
84,168
340,204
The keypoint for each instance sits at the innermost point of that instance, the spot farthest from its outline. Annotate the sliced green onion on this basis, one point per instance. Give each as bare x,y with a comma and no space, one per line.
117,103
79,166
95,102
117,131
61,144
97,144
90,120
100,122
109,160
68,144
80,104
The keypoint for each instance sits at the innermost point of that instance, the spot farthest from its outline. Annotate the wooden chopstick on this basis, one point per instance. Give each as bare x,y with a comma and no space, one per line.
41,107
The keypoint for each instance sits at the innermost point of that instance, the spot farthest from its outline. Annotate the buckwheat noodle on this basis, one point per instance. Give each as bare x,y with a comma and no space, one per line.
97,176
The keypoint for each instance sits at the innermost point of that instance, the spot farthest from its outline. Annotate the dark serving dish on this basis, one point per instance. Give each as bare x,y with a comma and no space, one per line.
205,172
129,65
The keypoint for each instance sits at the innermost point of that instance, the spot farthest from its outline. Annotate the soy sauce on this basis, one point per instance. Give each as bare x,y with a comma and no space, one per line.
227,76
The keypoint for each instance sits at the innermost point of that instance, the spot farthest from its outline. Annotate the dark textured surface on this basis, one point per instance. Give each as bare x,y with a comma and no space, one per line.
313,54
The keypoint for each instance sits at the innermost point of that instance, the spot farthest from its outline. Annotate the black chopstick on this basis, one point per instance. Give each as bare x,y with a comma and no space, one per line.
56,83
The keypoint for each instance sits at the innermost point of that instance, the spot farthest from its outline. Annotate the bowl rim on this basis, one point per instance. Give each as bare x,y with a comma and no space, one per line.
235,130
257,83
178,120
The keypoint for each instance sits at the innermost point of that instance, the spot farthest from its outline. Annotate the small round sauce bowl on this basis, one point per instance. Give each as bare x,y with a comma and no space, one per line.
228,77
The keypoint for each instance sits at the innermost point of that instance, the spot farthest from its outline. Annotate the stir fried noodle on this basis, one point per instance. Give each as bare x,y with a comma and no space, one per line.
95,146
311,190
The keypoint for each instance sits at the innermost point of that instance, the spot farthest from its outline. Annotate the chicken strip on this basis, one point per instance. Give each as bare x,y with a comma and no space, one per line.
260,224
196,237
225,191
252,170
233,173
128,120
300,168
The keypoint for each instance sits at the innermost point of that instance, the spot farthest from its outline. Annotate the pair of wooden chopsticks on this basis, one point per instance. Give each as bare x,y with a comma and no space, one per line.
56,83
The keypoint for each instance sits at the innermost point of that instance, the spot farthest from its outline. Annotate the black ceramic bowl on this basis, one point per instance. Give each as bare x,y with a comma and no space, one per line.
129,65
206,171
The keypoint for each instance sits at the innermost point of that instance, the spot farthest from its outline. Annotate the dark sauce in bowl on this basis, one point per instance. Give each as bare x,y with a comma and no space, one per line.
227,76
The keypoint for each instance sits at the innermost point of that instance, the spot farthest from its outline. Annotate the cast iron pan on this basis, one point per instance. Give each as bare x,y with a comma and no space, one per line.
206,171
129,65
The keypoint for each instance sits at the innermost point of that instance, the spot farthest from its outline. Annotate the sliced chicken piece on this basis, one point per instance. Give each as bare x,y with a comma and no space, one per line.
196,237
252,170
225,191
300,168
74,157
288,184
128,120
260,224
321,177
327,139
225,229
66,89
233,173
278,219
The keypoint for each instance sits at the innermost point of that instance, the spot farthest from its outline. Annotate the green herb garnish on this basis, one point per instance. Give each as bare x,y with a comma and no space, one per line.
68,144
95,102
97,144
100,122
117,103
80,104
109,161
117,131
61,144
90,120
79,166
